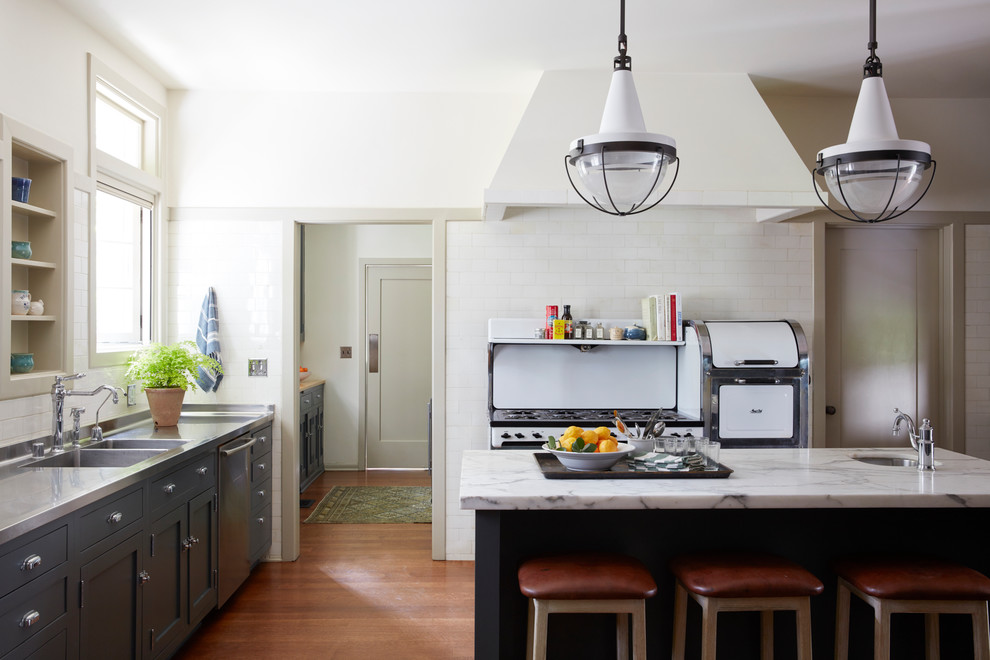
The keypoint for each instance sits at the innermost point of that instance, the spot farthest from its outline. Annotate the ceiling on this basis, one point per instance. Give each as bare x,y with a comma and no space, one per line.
930,48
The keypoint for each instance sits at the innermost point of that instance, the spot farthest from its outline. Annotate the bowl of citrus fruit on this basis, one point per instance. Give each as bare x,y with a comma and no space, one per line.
587,450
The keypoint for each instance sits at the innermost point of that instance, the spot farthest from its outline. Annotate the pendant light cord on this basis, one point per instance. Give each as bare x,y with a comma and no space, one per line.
622,61
873,68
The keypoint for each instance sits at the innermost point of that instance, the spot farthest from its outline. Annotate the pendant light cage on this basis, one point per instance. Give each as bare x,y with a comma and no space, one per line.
621,170
875,175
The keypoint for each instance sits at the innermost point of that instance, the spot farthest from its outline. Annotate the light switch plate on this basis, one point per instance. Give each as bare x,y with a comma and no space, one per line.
345,351
258,367
132,394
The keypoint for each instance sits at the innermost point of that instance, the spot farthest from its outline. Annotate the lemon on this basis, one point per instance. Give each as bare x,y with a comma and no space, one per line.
603,432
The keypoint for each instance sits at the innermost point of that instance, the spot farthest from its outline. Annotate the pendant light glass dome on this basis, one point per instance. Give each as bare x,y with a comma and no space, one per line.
875,175
621,169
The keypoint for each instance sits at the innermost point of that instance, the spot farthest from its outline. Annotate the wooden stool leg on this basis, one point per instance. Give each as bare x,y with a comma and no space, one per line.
931,636
639,630
680,621
539,638
842,622
622,636
804,629
530,630
881,631
981,633
709,626
766,635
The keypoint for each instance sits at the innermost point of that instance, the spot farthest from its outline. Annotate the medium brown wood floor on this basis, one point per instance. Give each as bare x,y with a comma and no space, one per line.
367,592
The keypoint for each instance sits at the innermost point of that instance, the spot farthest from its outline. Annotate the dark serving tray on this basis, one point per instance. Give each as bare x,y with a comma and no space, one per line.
552,469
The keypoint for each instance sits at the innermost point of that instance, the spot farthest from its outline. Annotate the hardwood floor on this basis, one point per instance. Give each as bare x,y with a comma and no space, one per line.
366,592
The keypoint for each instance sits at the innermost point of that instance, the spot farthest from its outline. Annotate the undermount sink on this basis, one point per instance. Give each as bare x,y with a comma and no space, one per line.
95,458
136,443
892,461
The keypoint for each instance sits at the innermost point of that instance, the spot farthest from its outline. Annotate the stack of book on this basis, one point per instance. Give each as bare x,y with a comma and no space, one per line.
662,317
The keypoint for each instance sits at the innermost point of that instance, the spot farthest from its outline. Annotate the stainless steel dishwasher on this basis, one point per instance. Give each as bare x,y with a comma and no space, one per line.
234,564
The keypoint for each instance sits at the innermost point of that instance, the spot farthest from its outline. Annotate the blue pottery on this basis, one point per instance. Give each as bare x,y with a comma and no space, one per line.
635,332
21,363
20,249
20,189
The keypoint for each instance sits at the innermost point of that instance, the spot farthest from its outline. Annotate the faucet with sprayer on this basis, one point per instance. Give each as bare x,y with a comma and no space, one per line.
924,443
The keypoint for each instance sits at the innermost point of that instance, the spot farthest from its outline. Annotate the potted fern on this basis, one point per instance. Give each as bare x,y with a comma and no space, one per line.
166,372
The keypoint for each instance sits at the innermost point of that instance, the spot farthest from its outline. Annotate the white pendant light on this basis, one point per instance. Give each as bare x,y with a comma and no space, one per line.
875,175
620,170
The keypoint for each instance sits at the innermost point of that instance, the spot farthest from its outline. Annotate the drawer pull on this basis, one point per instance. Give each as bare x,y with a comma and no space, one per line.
169,489
144,577
260,521
261,493
31,563
261,466
190,542
262,439
115,517
30,619
202,471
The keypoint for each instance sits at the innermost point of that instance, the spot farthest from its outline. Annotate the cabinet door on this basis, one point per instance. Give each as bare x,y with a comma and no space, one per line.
165,592
202,555
303,450
110,602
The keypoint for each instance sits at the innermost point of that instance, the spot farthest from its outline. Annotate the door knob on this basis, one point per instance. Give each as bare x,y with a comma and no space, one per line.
829,410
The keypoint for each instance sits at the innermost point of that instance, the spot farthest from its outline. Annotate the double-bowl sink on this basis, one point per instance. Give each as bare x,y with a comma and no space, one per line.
111,452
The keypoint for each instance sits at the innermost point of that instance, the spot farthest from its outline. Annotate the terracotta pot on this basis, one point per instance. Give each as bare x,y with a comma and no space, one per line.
165,404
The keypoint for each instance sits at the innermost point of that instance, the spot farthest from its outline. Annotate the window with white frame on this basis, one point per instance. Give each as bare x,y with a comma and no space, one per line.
126,136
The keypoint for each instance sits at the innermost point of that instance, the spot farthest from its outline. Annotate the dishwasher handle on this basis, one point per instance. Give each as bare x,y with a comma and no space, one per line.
230,452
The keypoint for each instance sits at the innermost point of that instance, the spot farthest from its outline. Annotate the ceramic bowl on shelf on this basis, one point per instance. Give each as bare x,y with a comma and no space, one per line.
20,189
20,249
581,462
21,363
20,302
303,373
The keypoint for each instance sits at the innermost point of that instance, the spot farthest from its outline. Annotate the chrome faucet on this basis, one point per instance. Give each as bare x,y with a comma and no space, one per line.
58,407
924,444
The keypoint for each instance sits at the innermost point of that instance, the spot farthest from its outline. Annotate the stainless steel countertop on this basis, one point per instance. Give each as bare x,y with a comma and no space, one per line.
31,497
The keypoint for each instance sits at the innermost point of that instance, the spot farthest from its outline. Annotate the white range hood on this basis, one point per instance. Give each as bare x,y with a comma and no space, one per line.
734,155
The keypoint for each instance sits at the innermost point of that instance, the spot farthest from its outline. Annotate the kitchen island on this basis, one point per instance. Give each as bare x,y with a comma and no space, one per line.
811,505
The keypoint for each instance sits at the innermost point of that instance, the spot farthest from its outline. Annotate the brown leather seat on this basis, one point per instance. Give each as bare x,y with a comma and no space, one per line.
913,578
586,577
729,581
591,582
896,584
744,575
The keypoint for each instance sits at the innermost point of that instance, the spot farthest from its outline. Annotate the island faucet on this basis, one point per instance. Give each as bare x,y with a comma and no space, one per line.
924,444
59,392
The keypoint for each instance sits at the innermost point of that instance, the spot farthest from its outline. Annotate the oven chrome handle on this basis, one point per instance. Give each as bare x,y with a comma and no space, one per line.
757,381
744,363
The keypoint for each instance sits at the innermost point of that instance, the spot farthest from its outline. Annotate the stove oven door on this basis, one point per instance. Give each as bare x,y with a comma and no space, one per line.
757,413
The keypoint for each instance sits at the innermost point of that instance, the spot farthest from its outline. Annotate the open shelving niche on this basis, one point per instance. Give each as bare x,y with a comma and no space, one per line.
46,221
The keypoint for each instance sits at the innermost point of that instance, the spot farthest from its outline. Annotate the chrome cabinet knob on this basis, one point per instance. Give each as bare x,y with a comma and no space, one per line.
169,489
115,517
31,563
30,618
202,471
144,577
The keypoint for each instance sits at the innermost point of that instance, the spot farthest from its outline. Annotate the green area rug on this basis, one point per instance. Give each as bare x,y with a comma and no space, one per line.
375,504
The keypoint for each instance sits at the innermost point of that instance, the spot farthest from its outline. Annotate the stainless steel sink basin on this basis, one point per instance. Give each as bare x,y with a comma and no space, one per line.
137,443
95,458
216,418
892,461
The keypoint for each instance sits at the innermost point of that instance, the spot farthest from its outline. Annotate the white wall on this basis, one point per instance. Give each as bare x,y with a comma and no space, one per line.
332,317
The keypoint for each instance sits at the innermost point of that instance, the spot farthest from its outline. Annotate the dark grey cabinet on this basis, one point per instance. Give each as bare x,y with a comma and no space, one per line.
310,435
260,523
110,601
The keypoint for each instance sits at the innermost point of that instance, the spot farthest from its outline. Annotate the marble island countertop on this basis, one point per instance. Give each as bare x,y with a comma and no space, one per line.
32,496
761,479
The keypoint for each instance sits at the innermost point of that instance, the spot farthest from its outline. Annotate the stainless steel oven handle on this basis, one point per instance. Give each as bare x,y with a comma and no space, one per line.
757,381
744,363
240,448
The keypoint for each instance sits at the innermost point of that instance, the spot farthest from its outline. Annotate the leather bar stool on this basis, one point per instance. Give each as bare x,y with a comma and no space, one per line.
608,583
727,581
900,584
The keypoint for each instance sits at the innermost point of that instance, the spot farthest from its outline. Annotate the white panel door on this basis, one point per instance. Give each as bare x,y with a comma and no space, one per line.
882,320
398,365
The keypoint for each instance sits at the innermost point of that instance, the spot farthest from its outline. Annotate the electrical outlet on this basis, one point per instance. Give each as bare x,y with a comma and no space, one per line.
345,351
258,367
132,394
